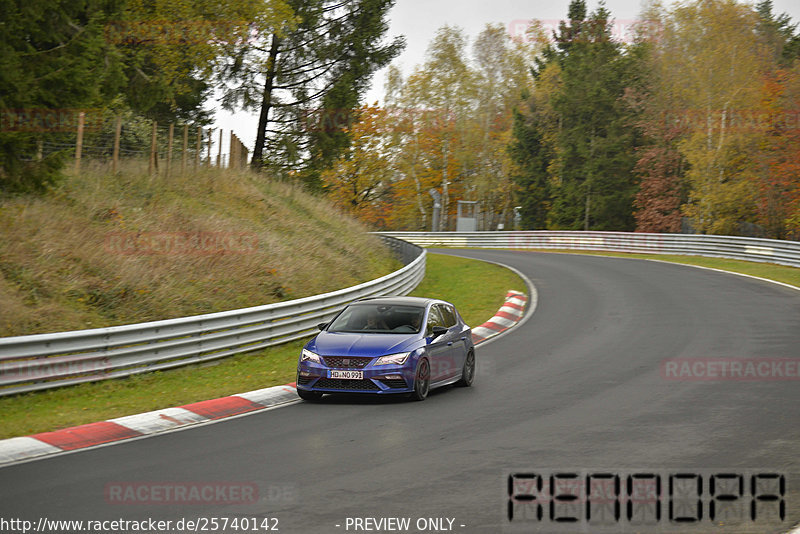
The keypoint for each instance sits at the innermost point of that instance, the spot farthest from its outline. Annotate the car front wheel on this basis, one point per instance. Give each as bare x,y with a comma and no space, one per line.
422,382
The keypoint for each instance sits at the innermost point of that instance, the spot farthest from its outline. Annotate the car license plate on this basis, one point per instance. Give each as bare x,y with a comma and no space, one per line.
346,375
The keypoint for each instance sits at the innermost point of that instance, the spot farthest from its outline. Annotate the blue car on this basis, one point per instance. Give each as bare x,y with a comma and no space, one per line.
388,345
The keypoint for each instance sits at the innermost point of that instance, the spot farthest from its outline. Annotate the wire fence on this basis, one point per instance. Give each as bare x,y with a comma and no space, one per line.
102,136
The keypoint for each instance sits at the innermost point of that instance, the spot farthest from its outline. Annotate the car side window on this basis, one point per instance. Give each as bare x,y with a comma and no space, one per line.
434,319
448,316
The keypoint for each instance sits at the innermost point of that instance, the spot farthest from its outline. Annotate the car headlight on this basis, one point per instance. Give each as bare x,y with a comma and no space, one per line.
393,359
308,356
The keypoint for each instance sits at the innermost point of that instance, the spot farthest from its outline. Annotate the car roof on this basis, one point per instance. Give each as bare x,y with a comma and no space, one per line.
408,301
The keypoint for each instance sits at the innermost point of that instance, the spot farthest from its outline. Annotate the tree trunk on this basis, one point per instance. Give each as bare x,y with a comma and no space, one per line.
266,103
445,197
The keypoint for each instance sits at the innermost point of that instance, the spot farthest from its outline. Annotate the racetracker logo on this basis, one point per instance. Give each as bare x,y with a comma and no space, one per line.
202,493
180,243
44,120
736,369
44,368
177,32
731,121
536,30
395,118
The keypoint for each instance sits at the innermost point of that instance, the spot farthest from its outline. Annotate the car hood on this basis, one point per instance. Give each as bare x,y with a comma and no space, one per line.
349,344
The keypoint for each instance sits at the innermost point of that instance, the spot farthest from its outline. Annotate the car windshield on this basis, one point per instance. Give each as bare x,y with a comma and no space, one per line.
376,318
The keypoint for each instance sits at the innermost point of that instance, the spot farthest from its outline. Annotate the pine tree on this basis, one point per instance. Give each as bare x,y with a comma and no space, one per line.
532,156
53,56
592,139
307,78
595,157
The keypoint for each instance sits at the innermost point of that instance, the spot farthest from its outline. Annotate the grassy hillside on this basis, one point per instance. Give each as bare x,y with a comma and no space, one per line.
104,250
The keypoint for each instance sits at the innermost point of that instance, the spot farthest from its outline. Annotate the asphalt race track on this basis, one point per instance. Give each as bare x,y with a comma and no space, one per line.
581,385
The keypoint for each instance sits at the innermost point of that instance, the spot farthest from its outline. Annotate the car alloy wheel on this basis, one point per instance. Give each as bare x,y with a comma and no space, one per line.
468,372
422,382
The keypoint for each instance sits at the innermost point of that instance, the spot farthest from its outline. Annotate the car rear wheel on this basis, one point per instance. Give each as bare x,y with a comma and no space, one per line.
468,372
422,382
309,395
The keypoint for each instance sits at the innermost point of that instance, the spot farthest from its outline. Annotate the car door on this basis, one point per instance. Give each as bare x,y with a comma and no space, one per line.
456,353
438,348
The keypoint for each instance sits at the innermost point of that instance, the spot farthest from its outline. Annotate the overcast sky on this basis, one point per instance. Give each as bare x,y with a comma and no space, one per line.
418,21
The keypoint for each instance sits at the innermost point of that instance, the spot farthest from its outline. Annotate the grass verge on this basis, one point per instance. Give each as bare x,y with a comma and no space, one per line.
475,287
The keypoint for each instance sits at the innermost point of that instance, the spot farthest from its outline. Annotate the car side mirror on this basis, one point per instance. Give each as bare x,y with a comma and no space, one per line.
439,330
322,326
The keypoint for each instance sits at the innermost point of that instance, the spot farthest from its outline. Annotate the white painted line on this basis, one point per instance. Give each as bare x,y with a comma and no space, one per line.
159,420
23,448
790,286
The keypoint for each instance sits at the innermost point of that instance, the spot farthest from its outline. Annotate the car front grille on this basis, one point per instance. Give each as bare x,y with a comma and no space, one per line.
346,362
394,382
303,380
336,383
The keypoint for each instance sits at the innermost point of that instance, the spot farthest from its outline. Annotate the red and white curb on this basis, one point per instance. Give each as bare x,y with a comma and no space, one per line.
134,426
25,448
507,316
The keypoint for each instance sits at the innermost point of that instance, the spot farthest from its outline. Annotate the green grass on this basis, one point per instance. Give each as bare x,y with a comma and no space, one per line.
476,288
43,411
771,271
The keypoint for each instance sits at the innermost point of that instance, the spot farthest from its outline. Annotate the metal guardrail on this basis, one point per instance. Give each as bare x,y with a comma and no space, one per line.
31,363
741,248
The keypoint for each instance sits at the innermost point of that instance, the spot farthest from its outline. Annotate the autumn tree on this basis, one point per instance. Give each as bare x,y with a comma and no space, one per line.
437,97
708,62
361,178
502,78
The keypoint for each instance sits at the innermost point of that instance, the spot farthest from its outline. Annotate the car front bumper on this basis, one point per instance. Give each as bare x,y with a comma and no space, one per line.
384,379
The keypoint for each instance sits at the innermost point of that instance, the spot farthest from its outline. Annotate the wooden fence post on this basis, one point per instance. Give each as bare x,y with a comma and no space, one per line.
79,142
153,168
219,152
117,132
169,149
232,151
185,147
208,156
197,146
